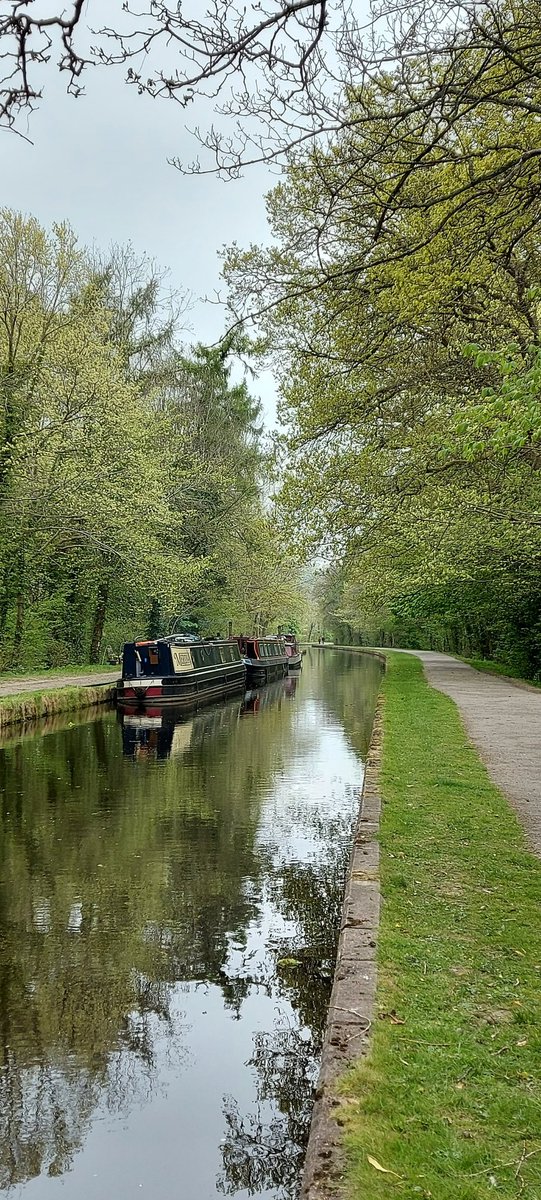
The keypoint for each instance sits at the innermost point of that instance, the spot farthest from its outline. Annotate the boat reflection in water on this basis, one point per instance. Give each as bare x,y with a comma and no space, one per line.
257,699
160,733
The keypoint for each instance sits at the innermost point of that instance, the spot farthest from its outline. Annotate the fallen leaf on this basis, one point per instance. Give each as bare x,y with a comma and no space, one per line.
386,1171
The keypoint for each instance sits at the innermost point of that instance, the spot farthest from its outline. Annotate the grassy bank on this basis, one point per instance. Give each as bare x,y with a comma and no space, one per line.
30,706
448,1102
495,668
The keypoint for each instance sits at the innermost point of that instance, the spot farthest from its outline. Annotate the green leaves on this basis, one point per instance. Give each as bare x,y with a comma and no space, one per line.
130,470
402,299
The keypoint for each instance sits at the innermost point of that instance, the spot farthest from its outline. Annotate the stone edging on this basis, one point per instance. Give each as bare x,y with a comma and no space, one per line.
351,1008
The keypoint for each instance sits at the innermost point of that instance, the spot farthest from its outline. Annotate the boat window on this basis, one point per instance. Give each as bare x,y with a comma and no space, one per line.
203,656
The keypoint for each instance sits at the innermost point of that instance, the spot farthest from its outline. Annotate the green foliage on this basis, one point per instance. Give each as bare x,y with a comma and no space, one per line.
403,302
130,470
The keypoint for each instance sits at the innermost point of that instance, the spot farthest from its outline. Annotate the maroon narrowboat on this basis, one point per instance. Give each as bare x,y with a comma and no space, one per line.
265,658
294,655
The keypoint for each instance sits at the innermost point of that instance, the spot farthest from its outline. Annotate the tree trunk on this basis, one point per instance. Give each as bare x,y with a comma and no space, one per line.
99,621
5,601
19,627
154,626
20,599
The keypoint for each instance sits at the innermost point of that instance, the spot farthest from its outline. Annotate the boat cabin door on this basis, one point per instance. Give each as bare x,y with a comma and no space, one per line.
147,658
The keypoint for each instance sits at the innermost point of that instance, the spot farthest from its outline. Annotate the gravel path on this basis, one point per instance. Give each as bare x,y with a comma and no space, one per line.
503,720
49,683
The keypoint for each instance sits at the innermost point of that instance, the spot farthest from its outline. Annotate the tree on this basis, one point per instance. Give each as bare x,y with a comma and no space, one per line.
78,442
131,468
281,41
409,368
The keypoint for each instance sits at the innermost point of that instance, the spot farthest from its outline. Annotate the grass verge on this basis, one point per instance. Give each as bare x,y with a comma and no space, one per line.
495,668
55,672
30,706
448,1101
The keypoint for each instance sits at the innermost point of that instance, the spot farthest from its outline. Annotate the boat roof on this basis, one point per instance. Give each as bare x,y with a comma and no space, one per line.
175,639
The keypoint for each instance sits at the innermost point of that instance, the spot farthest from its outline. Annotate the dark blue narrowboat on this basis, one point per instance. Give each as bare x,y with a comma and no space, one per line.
171,670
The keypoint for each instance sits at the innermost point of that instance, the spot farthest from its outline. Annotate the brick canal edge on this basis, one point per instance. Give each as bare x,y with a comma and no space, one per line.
351,1008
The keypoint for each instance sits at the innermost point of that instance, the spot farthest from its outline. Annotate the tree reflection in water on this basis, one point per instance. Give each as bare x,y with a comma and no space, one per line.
263,1151
126,878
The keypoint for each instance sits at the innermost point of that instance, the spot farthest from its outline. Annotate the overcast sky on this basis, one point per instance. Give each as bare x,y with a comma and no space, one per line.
101,163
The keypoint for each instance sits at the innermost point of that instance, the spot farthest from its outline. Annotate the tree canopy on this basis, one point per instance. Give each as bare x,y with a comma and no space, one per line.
283,74
131,468
402,309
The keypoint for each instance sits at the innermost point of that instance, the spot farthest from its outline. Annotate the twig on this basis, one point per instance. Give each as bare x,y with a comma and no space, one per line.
502,1166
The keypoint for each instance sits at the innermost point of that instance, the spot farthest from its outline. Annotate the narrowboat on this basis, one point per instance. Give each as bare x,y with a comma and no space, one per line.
294,655
265,658
171,670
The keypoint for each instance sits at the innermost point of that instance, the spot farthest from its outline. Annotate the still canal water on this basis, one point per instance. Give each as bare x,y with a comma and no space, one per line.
169,902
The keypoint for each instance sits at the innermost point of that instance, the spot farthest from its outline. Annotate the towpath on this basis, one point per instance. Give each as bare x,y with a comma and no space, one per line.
50,683
503,720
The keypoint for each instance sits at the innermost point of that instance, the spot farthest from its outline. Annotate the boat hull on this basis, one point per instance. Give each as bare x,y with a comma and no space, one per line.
294,663
210,683
262,671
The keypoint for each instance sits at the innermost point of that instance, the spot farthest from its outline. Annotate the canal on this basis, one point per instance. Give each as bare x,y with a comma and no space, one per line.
169,904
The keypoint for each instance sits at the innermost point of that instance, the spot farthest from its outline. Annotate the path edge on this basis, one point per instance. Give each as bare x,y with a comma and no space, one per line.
352,1003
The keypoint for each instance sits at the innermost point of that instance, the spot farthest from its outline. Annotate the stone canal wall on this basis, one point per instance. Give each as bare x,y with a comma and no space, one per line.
351,1009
